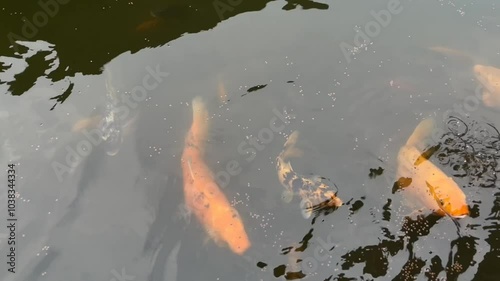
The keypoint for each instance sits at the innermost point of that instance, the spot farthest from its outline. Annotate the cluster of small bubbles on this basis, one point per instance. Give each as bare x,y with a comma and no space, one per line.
266,221
457,267
44,249
332,96
356,143
236,201
157,150
289,63
374,211
35,146
52,139
278,240
169,128
25,200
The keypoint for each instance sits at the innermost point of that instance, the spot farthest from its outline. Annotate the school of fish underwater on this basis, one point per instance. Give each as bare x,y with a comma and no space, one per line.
236,140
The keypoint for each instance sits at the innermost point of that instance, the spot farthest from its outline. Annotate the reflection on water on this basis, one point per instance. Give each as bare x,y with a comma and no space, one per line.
472,151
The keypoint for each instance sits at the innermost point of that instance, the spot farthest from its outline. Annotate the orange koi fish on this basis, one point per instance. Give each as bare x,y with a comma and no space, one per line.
86,123
148,25
202,194
489,77
172,14
425,182
450,52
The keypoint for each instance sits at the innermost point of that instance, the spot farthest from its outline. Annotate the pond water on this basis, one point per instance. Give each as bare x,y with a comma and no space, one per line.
98,101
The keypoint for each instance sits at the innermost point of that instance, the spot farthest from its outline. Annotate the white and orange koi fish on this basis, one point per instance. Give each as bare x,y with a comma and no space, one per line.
202,194
313,191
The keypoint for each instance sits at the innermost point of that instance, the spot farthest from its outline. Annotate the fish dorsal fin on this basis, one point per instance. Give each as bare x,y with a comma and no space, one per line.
426,154
432,191
190,168
422,131
452,52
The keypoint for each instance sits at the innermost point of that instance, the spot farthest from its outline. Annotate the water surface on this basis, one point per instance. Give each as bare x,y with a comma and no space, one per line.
117,210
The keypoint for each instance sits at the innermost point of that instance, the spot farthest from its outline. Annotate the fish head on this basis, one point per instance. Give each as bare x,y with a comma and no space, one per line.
333,199
234,233
458,212
451,199
488,74
489,77
455,209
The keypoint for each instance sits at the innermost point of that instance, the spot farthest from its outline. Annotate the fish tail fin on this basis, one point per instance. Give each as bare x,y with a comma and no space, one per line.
86,123
307,209
421,132
292,139
290,149
200,125
222,93
451,52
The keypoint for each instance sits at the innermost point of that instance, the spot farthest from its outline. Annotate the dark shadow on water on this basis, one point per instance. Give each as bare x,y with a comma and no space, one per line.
294,252
167,232
88,35
489,269
43,265
305,4
91,169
